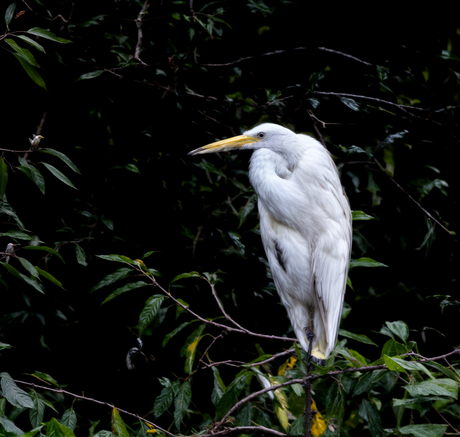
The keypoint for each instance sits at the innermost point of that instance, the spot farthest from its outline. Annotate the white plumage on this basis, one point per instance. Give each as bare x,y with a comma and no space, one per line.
305,222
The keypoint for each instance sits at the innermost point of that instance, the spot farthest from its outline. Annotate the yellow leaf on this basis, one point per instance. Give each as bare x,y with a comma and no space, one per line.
282,415
288,364
319,424
151,431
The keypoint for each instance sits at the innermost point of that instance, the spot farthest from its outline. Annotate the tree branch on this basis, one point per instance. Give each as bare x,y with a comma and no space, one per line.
139,33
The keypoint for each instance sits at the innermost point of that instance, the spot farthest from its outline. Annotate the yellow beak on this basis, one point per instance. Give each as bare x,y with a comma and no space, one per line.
224,145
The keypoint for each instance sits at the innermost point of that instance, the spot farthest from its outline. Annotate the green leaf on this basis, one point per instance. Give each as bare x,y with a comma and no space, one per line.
10,426
69,419
297,427
15,234
93,428
81,256
124,289
13,394
185,275
358,337
31,42
163,401
33,74
436,387
236,239
44,377
133,168
246,210
29,267
43,33
46,249
406,365
191,345
117,258
399,328
413,401
56,429
350,103
425,430
91,75
50,277
365,262
36,413
59,175
62,157
181,402
118,426
152,306
393,348
360,215
371,415
9,13
5,346
33,174
3,178
113,277
177,330
219,386
205,165
18,275
230,396
23,52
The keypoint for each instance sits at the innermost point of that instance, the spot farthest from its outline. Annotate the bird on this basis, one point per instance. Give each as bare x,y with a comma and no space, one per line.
305,226
35,140
9,249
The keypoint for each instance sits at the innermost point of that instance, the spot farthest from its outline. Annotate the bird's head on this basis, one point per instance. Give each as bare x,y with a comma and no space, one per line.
267,135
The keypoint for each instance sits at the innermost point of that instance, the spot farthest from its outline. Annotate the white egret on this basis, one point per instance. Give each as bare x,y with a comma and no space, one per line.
9,249
305,223
35,140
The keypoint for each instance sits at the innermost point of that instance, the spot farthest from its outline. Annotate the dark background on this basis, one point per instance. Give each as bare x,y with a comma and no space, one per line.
152,115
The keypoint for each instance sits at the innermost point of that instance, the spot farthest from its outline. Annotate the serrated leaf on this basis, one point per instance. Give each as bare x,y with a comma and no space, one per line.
113,277
81,255
419,400
59,175
436,387
181,402
46,249
29,57
62,157
3,178
36,414
124,289
192,344
47,35
371,415
117,258
31,42
365,262
177,330
297,427
163,401
56,429
425,430
151,308
185,275
9,13
29,267
358,337
13,394
91,75
399,328
69,419
407,365
219,386
393,348
32,73
360,215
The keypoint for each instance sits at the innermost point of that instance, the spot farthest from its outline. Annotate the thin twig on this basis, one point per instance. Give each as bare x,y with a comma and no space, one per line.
83,398
410,197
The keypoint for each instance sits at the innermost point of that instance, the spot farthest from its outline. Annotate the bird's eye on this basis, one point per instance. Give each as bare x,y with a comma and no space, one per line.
261,135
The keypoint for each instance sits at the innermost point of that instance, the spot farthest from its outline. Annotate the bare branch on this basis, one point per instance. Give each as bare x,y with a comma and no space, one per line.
83,398
410,197
139,33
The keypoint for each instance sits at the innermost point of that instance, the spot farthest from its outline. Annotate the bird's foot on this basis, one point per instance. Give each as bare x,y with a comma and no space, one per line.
310,337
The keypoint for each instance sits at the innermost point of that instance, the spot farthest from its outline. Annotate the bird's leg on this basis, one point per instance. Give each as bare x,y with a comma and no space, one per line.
310,337
307,383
